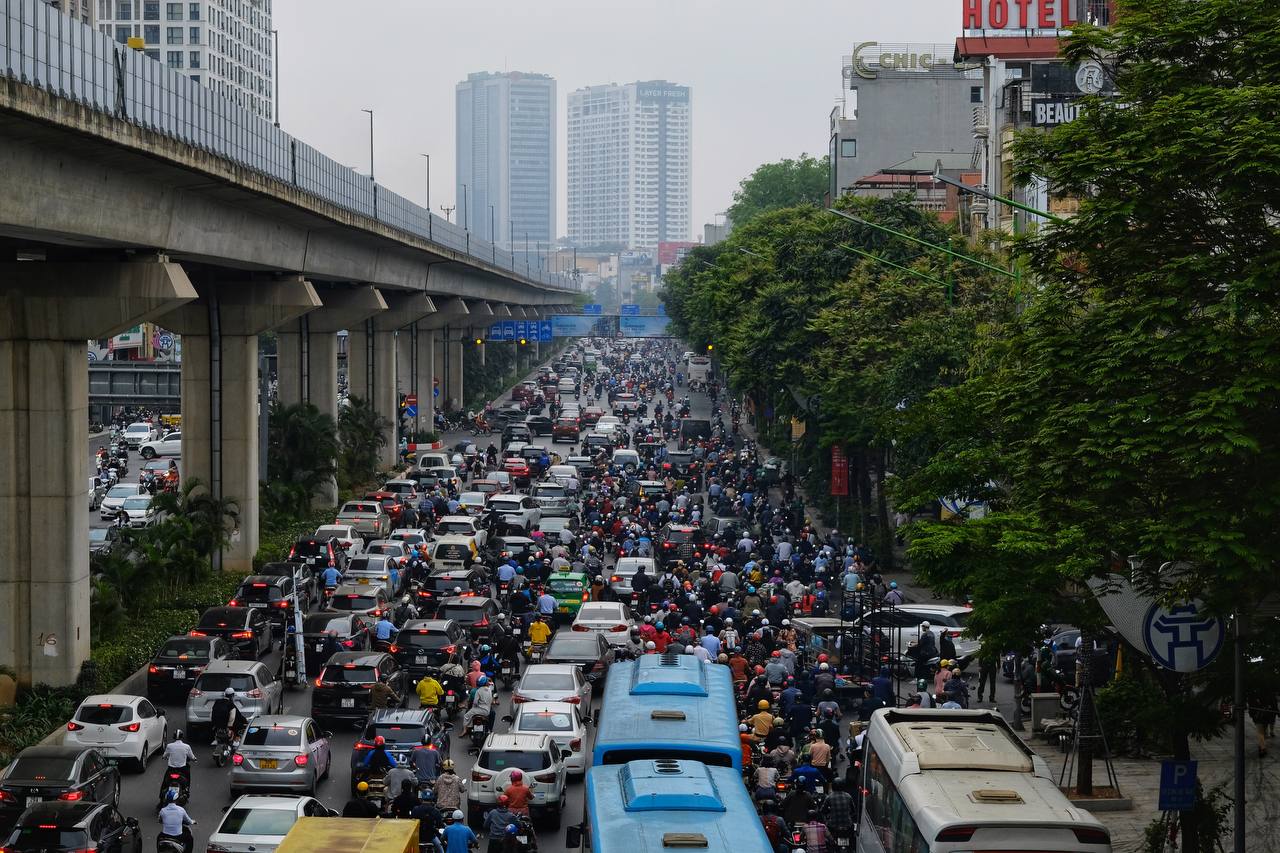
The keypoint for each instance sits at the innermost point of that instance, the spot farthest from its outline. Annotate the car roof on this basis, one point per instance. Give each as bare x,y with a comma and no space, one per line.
62,814
267,578
944,609
238,667
357,658
400,715
286,721
111,699
428,625
477,600
517,742
548,707
466,519
551,668
53,751
348,588
289,802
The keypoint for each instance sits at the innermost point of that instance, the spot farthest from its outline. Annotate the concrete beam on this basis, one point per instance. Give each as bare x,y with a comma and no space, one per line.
403,309
502,310
49,312
449,312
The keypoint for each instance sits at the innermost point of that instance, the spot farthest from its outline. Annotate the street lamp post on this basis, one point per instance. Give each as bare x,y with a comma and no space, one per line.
448,212
990,196
370,112
493,238
275,56
465,215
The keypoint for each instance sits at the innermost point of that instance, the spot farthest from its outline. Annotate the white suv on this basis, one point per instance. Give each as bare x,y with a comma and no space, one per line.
537,757
952,619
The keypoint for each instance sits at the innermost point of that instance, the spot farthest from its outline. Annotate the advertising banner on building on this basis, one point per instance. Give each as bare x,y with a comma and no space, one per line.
839,471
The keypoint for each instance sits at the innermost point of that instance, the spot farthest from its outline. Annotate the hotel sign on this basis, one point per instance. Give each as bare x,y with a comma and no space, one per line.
1017,14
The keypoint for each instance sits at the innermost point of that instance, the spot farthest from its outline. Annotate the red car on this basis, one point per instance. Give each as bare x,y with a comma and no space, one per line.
517,468
390,504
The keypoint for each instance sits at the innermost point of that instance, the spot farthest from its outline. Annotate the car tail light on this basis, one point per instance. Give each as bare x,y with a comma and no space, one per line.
545,777
617,629
282,604
233,603
237,759
131,727
578,627
575,744
362,745
300,760
1092,836
574,700
196,634
448,650
517,699
320,682
242,635
393,649
74,727
350,644
956,834
450,693
615,578
71,796
477,776
153,669
585,596
255,693
6,797
195,693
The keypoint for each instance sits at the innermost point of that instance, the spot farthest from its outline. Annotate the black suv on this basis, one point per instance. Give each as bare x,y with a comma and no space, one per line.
680,542
342,691
441,583
74,826
71,773
402,732
475,613
246,629
319,553
272,594
352,631
425,645
174,669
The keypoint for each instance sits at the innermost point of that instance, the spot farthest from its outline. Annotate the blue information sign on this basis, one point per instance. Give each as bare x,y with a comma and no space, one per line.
508,330
593,309
411,411
629,310
644,327
1177,785
495,332
662,310
544,331
522,330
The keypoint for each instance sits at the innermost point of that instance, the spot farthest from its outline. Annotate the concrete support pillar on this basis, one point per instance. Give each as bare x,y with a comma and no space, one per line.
426,377
457,398
220,392
47,313
481,347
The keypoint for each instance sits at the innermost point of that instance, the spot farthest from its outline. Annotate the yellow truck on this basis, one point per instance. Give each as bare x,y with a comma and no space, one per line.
351,835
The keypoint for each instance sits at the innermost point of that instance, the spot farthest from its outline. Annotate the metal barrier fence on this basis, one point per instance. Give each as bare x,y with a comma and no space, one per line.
42,47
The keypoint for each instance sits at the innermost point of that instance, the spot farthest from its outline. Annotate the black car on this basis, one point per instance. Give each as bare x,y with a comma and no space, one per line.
308,579
71,773
343,689
318,553
538,424
272,594
351,631
246,629
73,827
402,732
588,649
680,542
475,613
518,547
678,462
425,645
174,669
441,583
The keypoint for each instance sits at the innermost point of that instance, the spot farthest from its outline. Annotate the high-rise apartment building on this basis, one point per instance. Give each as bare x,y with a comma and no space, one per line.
506,156
223,44
629,164
81,10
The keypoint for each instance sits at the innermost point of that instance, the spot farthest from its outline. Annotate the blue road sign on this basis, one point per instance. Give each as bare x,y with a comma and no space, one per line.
522,330
1177,786
629,310
435,392
495,332
508,330
593,309
643,327
411,411
1183,637
544,331
662,310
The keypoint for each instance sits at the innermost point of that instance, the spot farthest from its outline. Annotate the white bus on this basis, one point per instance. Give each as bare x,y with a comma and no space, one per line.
699,368
937,781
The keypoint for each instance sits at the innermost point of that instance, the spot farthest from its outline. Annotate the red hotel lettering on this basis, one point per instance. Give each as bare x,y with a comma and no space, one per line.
998,14
1047,19
972,14
1067,20
1024,8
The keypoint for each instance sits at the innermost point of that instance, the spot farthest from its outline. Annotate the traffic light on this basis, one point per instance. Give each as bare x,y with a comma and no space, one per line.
479,341
523,341
710,347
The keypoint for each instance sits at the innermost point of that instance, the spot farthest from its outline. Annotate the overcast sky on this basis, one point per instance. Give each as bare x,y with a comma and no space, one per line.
765,73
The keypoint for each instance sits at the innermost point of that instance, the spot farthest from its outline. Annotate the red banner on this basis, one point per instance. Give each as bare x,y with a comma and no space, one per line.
839,471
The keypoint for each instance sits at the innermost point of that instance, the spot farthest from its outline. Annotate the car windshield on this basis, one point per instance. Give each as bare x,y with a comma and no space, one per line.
373,509
502,759
421,638
547,681
553,525
43,768
349,674
216,682
222,619
597,613
122,491
462,613
319,623
585,646
407,733
104,714
369,564
471,498
137,429
678,536
456,528
185,650
98,534
309,548
258,822
544,721
355,601
37,839
549,491
486,488
271,736
137,502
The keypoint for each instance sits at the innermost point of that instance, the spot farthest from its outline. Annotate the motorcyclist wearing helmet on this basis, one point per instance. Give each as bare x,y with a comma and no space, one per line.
430,821
496,821
518,794
360,805
483,704
224,716
405,611
458,837
179,757
175,823
762,720
378,759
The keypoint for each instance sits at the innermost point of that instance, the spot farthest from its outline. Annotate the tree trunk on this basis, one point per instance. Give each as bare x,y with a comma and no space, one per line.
884,549
863,510
1086,722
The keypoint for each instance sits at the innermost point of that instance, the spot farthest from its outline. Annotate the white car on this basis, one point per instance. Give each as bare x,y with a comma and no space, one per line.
170,445
140,511
346,535
257,823
516,509
537,757
390,548
552,682
627,460
410,536
565,475
135,435
564,723
461,525
119,726
116,496
950,618
625,569
472,503
256,688
612,619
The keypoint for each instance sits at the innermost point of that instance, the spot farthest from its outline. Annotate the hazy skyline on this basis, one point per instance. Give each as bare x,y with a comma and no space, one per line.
764,76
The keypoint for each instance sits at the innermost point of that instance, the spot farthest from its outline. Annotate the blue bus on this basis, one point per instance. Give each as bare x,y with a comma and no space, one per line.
661,804
668,706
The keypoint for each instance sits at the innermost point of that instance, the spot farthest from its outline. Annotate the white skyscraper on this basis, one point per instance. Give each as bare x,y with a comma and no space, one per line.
223,44
81,10
506,156
629,164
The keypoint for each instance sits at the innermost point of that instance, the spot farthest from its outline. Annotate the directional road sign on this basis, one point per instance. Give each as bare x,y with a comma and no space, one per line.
593,309
629,310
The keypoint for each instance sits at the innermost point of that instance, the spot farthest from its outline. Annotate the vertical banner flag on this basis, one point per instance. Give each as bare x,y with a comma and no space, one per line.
839,471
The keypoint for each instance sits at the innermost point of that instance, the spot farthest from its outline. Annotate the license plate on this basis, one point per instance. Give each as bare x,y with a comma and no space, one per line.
421,659
33,801
506,670
523,839
450,700
179,673
257,604
268,764
539,795
363,581
348,703
319,647
479,727
564,609
842,842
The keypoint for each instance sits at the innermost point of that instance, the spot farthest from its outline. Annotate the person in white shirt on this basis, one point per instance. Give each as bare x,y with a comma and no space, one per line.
178,756
176,823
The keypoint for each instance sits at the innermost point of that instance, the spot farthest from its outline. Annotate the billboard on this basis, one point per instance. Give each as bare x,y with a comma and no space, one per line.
1020,15
671,251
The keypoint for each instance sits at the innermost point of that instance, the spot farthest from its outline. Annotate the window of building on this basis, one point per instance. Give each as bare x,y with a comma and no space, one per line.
193,11
193,35
848,148
124,10
122,34
173,35
193,59
153,53
151,10
173,11
151,33
175,59
195,78
975,94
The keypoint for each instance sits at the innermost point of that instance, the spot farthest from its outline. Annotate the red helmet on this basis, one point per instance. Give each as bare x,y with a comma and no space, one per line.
773,599
776,654
503,799
715,608
516,775
759,670
822,658
379,740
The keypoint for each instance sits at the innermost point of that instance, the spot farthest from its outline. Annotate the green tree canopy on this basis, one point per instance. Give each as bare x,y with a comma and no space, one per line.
773,186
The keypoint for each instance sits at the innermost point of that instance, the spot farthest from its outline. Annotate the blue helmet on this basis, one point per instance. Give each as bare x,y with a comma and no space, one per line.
519,570
512,829
170,796
893,584
482,680
659,626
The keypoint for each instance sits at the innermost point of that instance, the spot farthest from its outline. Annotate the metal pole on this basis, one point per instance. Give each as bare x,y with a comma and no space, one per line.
428,158
370,112
1238,807
466,210
493,237
264,414
275,54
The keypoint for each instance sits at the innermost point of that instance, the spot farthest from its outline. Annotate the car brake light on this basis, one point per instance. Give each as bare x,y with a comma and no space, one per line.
6,797
282,604
74,727
575,744
196,634
957,834
131,727
617,629
153,669
300,760
477,776
545,777
255,693
242,635
194,693
393,649
320,682
237,759
233,603
71,796
574,700
1092,836
448,650
615,578
578,627
349,644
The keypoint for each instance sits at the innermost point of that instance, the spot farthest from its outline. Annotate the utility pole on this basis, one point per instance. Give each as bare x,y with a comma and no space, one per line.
370,112
275,56
428,158
448,212
466,211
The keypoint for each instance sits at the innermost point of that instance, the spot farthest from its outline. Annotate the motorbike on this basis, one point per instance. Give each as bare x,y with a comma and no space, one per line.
167,844
176,782
222,747
507,673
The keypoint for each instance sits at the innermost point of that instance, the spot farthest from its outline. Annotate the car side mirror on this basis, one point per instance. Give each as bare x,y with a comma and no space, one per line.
159,712
573,837
326,735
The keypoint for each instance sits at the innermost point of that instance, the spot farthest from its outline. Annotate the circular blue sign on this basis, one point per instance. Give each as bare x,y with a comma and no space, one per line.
1182,637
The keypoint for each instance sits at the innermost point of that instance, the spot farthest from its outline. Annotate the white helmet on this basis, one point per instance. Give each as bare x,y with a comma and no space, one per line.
728,620
924,626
